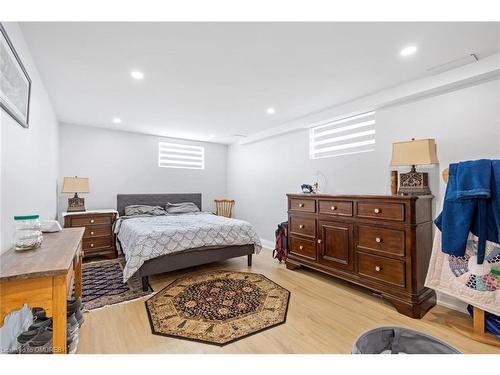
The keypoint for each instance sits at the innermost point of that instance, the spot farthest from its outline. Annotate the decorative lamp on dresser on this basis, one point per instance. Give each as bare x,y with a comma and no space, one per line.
383,243
98,239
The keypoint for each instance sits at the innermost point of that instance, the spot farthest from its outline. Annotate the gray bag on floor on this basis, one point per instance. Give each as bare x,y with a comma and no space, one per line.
397,340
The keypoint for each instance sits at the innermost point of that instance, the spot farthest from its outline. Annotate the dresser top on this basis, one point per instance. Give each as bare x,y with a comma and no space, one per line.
101,211
53,258
345,196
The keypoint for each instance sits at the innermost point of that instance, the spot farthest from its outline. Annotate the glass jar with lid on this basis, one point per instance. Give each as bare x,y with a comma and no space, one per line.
28,234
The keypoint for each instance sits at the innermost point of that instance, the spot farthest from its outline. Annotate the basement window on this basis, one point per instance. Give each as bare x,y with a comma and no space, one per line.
350,135
177,155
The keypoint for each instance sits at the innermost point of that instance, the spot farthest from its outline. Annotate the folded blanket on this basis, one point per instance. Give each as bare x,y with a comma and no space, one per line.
474,179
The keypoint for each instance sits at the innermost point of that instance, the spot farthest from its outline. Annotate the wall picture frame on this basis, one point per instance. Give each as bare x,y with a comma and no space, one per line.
15,83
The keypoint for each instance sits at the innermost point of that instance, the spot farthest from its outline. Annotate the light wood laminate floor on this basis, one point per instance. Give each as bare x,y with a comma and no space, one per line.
325,315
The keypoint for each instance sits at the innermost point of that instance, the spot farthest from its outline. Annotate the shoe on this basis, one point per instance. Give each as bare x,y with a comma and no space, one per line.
46,323
76,307
74,304
42,344
38,312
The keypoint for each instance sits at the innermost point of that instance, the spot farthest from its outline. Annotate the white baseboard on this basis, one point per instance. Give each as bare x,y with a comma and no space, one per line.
266,244
451,302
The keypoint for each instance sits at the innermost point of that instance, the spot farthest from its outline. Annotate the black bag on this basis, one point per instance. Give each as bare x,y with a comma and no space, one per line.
281,250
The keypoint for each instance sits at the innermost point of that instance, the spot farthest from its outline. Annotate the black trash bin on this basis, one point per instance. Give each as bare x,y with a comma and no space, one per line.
398,340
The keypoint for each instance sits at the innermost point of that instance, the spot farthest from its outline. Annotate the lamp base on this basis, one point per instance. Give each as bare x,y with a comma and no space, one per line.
76,204
414,183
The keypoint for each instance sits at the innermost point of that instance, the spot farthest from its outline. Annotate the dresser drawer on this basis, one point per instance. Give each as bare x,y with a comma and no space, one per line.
382,210
385,240
97,243
91,220
384,269
302,248
97,231
305,226
334,207
305,205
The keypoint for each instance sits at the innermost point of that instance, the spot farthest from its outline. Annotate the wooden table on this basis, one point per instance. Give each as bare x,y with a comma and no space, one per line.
43,278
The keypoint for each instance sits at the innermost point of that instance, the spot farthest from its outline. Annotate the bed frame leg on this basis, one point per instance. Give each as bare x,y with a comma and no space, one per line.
249,260
145,284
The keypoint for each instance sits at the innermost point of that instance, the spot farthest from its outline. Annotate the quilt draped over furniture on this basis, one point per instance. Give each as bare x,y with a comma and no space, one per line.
462,277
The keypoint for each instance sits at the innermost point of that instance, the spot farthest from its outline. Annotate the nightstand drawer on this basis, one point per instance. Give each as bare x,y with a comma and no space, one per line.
97,243
97,231
91,220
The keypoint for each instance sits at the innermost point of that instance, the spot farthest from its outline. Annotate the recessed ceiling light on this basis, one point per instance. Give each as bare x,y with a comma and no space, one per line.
212,135
408,51
135,74
270,111
117,120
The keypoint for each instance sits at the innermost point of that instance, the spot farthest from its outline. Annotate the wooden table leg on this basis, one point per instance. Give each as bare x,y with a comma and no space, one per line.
478,319
59,315
78,274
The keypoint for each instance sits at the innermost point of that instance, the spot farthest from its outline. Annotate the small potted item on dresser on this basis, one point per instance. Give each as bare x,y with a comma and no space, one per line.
28,234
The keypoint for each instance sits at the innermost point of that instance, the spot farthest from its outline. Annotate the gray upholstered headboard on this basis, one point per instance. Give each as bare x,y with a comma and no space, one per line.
124,200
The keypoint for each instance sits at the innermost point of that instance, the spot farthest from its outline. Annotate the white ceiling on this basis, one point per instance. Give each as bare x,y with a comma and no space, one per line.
219,78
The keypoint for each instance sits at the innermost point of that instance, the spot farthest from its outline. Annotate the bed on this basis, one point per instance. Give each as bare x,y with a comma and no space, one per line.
159,244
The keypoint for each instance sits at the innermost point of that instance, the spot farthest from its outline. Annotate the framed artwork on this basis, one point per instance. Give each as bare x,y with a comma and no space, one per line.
15,84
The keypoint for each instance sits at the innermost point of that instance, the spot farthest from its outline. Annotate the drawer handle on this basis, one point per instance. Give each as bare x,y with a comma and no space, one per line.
376,210
378,239
301,226
333,208
378,268
91,221
91,245
91,233
301,247
319,241
301,204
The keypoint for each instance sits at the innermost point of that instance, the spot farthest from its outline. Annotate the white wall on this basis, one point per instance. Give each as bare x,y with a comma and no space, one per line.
29,166
465,124
119,162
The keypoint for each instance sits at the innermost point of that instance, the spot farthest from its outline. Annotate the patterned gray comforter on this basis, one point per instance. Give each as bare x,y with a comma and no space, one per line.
148,237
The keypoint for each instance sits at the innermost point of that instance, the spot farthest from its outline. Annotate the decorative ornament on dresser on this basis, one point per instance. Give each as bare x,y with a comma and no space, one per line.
76,185
414,152
15,84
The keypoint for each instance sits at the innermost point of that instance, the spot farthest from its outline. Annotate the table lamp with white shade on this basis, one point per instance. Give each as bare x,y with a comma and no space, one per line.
76,185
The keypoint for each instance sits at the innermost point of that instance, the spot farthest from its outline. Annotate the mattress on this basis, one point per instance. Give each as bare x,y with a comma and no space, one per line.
147,237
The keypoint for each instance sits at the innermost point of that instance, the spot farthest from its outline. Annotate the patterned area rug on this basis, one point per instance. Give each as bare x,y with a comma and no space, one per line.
217,307
103,284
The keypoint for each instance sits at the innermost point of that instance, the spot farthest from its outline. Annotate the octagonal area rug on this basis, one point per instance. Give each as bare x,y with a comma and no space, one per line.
217,307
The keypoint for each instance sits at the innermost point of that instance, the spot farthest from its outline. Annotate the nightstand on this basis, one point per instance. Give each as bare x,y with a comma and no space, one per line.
98,239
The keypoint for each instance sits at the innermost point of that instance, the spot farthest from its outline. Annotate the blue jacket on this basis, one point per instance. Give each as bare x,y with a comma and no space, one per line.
471,204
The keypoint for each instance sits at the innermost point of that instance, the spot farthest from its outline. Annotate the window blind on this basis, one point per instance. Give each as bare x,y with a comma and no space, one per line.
176,155
350,135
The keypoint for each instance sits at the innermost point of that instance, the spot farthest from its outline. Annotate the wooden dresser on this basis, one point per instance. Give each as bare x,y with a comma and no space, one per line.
44,277
383,243
98,239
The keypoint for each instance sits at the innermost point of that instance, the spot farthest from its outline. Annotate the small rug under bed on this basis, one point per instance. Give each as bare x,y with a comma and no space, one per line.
102,284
